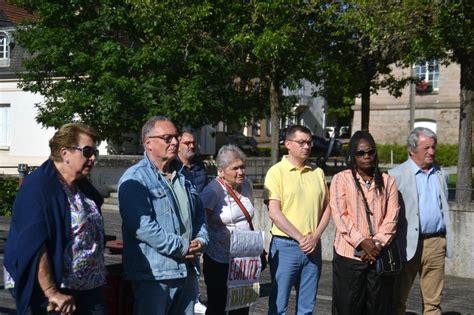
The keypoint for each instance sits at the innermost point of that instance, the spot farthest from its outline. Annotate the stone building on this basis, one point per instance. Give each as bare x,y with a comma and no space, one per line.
437,103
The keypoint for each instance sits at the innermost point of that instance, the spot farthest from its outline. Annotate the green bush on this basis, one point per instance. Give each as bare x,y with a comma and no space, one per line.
266,151
8,189
446,154
399,153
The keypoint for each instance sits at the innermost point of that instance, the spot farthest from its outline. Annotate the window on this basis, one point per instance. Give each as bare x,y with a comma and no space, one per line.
427,123
4,132
4,49
428,71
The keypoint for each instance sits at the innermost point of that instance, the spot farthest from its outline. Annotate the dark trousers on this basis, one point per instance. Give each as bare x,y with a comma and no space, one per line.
358,289
215,276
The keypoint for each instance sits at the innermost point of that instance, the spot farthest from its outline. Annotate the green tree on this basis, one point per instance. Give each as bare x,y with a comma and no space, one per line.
449,36
367,38
265,45
453,34
112,66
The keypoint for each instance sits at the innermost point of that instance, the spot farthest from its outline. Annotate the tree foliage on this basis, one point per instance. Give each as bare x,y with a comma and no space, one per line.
452,35
112,66
367,39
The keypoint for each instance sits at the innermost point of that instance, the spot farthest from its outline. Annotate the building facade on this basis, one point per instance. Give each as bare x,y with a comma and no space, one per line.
22,139
437,102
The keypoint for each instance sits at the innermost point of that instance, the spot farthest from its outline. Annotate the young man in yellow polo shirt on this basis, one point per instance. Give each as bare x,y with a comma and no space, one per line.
297,197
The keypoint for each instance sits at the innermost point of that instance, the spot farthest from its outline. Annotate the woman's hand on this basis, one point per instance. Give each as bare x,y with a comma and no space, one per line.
59,302
371,250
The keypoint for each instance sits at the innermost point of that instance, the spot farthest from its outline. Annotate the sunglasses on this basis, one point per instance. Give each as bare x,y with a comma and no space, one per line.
87,151
362,153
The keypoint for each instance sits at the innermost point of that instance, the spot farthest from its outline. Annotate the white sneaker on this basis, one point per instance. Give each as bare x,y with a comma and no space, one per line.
199,308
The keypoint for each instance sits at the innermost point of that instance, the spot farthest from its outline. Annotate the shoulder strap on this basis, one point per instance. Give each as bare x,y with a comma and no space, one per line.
237,200
366,204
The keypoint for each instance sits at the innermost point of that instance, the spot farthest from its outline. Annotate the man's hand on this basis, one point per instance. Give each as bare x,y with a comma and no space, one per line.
59,302
309,242
194,250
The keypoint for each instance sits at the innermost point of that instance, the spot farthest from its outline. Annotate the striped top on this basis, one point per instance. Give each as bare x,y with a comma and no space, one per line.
348,212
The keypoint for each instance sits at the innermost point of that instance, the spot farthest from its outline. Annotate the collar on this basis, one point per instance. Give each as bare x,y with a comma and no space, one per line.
175,165
290,167
416,169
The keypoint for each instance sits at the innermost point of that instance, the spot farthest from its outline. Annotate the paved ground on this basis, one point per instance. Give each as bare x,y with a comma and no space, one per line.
458,292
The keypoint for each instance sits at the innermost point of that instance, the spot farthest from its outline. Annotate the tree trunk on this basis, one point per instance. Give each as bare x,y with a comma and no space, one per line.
275,120
365,108
464,178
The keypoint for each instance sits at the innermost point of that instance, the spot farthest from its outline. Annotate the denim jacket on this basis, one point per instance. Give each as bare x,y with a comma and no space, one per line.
153,247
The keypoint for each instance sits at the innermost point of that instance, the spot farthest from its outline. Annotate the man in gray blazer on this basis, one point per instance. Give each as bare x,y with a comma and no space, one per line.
424,229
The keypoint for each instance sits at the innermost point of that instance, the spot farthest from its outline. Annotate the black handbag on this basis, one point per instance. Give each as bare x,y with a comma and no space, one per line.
389,262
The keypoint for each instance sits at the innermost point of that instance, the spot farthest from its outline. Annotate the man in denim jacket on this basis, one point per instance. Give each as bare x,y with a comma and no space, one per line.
163,225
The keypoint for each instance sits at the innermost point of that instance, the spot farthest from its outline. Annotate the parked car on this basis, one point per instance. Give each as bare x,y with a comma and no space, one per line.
331,132
325,147
344,132
320,145
247,144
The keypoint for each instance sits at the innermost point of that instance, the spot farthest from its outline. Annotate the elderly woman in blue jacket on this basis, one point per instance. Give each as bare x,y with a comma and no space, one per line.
54,253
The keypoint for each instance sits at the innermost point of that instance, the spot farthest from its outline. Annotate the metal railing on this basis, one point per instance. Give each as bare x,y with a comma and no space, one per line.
23,170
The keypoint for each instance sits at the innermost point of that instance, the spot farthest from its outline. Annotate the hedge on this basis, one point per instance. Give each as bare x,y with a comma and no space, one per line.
8,190
446,154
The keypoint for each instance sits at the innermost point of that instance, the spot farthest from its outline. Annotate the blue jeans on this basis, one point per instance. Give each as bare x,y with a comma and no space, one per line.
290,267
160,297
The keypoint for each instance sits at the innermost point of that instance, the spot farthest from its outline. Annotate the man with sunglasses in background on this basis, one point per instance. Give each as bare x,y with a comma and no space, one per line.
297,196
163,226
194,168
424,229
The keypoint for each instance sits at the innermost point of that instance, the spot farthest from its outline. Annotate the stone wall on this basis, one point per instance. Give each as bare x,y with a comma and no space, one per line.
462,217
389,120
390,124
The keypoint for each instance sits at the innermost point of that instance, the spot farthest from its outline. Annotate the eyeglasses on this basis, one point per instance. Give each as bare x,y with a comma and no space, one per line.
301,143
188,143
362,153
166,138
87,151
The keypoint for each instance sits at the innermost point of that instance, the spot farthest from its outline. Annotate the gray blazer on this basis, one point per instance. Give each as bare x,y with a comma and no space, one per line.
408,229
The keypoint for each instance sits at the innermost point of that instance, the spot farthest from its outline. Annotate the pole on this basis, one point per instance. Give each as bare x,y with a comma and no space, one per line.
22,172
412,98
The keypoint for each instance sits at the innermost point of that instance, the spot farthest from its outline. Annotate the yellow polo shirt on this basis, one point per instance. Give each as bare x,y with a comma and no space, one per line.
300,192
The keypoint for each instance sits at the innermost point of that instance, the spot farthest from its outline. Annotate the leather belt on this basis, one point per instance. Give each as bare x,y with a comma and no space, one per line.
285,238
430,235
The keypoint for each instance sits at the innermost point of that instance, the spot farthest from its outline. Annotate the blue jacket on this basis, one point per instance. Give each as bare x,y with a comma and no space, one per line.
153,248
408,229
40,216
197,174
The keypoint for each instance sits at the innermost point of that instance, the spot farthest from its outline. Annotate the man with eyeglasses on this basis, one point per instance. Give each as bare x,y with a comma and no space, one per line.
191,162
297,196
424,231
163,226
196,171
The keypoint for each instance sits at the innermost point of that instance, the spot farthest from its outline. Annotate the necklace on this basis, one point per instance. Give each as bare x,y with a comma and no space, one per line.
368,182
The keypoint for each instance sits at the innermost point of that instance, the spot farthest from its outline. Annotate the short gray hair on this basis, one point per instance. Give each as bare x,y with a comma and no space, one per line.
150,124
227,154
413,137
